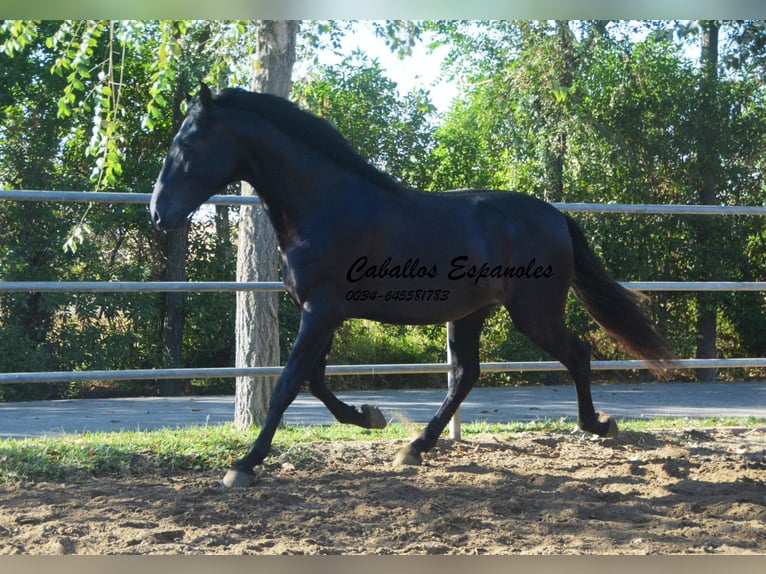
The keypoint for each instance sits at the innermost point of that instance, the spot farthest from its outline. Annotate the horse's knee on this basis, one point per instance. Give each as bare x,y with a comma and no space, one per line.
471,372
582,347
283,394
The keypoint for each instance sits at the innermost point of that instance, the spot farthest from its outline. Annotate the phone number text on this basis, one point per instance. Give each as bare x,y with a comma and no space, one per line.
398,295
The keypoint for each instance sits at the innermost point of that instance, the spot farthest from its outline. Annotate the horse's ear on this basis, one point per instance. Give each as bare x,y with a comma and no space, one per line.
205,97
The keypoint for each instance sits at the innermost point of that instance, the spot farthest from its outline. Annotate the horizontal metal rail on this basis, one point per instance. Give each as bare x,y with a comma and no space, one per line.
234,200
270,286
110,197
135,286
657,209
695,285
338,370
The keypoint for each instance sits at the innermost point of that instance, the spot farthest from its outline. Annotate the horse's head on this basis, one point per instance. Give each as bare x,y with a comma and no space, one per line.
201,161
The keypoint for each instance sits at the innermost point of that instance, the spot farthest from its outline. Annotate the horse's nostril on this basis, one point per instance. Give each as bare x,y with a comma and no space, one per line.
156,218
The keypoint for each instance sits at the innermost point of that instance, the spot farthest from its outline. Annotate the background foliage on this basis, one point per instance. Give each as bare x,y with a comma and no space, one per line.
566,111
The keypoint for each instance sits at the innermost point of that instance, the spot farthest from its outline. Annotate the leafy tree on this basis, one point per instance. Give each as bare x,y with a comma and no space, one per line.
97,105
29,160
584,111
391,131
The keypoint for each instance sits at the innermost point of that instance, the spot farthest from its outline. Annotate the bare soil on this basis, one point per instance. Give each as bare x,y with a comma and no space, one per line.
665,492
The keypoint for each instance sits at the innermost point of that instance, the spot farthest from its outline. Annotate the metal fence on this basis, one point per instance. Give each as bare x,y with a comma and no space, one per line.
380,369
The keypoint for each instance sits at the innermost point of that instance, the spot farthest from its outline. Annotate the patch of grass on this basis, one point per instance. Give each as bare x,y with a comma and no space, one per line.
76,457
671,423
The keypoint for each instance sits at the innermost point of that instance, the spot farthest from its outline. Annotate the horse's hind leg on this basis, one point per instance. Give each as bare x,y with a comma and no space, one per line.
367,416
463,339
545,327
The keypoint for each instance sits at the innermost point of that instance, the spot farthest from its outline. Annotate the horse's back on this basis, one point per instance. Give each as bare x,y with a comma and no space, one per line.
512,206
502,217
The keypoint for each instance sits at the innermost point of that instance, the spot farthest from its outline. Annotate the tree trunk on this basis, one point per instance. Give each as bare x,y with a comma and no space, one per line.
257,327
174,245
706,325
223,233
557,148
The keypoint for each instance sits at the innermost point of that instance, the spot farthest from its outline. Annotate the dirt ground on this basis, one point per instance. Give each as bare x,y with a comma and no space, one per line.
668,492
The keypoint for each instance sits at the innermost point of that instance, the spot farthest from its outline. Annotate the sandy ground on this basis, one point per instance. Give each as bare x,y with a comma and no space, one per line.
668,492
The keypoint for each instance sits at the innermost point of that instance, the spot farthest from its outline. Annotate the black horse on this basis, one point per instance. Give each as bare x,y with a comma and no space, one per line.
356,243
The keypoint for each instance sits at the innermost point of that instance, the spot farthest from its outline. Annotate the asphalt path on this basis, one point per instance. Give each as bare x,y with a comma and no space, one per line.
492,404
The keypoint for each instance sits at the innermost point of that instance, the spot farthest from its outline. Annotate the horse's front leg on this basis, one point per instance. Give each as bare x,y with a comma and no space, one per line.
367,416
314,335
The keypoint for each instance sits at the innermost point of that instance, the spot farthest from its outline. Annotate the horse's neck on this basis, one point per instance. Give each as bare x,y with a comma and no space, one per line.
272,164
286,177
292,180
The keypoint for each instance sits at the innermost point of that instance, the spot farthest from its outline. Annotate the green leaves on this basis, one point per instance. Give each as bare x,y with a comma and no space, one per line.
76,236
76,45
390,130
164,71
17,35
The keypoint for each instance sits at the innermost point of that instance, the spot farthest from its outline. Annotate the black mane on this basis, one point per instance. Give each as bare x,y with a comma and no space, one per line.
315,132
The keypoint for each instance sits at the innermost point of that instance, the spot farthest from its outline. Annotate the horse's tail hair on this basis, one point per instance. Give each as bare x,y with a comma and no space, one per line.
617,309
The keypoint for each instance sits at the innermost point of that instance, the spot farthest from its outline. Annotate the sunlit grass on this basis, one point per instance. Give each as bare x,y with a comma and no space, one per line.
75,457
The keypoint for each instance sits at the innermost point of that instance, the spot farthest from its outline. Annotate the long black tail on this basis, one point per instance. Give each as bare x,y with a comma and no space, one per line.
616,308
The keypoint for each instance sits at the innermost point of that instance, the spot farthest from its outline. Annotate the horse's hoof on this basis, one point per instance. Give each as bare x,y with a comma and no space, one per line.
238,479
604,426
611,426
407,456
374,419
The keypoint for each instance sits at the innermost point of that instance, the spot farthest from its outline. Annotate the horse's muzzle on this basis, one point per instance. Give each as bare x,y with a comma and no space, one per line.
162,217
